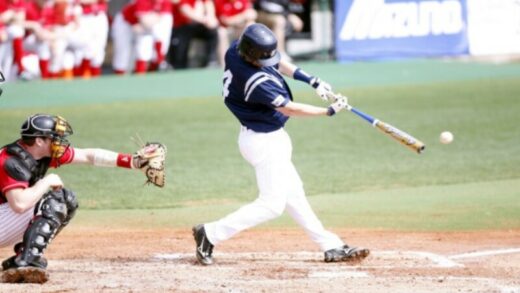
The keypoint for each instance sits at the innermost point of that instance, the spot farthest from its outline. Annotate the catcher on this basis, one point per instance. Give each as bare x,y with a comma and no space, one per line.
35,207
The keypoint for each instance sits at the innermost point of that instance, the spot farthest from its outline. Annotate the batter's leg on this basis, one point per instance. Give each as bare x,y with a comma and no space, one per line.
300,210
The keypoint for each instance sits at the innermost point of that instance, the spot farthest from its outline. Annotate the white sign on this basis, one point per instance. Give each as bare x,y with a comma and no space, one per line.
493,27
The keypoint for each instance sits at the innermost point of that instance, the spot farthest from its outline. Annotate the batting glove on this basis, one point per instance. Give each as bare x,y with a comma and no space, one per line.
340,104
323,89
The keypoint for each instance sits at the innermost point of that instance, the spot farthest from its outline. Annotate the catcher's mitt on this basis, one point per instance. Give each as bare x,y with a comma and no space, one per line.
150,159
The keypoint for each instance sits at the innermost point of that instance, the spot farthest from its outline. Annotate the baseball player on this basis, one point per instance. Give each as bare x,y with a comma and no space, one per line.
91,38
258,96
143,26
234,16
35,206
12,16
192,19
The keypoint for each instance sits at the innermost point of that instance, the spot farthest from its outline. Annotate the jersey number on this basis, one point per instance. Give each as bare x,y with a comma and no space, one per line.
226,79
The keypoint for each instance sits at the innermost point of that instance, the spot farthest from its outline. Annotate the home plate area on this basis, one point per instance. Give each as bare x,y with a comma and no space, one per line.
391,270
383,271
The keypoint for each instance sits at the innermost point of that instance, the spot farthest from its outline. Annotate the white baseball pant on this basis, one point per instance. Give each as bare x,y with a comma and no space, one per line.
280,188
13,225
162,31
127,43
98,28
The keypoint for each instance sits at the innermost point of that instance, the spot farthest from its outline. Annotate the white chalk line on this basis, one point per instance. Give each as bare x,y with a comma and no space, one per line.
490,281
437,260
485,253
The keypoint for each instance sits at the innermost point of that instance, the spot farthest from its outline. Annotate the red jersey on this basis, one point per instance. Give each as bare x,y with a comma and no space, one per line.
132,10
44,15
94,8
7,182
15,5
178,18
227,8
63,13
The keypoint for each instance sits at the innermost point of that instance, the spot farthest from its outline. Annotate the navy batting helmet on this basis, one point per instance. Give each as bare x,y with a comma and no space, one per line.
258,44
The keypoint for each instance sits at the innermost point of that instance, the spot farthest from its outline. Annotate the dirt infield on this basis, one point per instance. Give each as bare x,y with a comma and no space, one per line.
261,260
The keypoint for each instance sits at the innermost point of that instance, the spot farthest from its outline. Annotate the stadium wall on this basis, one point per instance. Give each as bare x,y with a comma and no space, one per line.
395,29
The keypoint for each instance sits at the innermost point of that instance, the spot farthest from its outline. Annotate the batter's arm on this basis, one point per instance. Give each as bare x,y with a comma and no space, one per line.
287,68
293,109
299,109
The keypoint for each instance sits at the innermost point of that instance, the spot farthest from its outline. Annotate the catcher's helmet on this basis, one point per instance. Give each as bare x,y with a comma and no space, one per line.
54,127
258,44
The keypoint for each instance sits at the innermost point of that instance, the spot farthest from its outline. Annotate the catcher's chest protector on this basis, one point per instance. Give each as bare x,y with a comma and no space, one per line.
22,166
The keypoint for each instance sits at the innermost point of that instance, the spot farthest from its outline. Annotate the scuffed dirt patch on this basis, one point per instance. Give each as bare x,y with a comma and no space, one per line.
261,260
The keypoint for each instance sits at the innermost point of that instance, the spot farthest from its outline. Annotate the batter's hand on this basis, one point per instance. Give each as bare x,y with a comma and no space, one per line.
340,104
323,89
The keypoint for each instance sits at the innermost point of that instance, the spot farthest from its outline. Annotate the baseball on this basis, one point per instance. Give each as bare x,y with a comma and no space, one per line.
446,137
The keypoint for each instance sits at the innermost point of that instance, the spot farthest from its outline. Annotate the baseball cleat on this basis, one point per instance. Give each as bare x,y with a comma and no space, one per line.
204,247
346,253
15,262
25,275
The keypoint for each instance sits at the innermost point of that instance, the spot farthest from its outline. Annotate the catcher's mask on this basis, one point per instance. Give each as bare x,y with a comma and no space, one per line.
258,44
54,127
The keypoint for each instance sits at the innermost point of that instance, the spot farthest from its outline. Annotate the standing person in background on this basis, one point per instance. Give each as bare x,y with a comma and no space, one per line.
65,30
12,17
258,96
133,33
234,16
161,37
35,207
93,27
192,19
5,50
279,16
39,24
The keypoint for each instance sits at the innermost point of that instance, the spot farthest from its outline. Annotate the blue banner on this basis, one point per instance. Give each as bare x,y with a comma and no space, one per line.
392,29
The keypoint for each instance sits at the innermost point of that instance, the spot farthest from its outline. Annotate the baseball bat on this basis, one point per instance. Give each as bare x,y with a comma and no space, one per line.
395,133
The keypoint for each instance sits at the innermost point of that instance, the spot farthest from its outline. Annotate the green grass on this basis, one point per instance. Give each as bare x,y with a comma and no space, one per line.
354,176
460,207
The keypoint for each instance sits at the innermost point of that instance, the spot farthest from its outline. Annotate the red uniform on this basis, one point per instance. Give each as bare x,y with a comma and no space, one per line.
7,182
15,5
132,10
178,18
94,8
227,8
44,15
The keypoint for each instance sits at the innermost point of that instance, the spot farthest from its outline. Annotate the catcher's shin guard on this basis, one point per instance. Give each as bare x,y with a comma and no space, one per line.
52,214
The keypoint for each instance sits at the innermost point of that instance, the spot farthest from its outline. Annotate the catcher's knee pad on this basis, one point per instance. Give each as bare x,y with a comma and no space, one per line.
52,206
72,205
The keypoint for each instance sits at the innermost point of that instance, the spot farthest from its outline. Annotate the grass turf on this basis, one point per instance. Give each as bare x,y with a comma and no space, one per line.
354,176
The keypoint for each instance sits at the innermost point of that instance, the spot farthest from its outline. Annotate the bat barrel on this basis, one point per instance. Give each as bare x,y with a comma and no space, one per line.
401,136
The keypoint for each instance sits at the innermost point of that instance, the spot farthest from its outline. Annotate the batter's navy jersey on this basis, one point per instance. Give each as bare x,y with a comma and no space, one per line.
253,94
